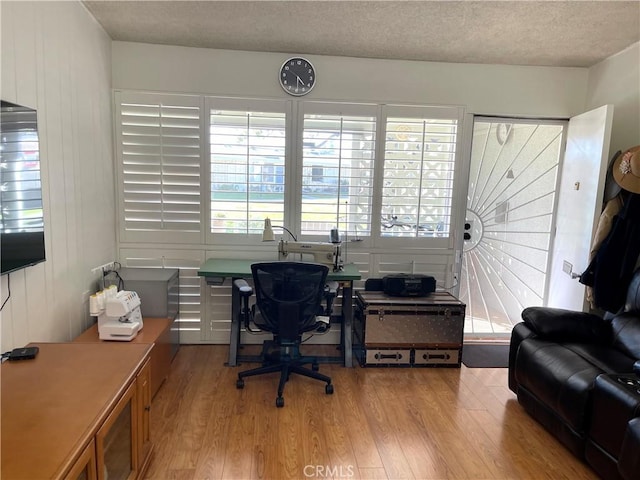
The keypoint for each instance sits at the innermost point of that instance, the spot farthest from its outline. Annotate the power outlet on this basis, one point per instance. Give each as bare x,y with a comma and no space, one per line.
567,267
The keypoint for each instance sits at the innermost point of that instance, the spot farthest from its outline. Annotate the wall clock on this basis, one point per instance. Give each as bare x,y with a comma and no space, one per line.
297,76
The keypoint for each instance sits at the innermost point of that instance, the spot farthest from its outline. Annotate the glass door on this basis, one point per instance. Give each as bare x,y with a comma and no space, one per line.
513,181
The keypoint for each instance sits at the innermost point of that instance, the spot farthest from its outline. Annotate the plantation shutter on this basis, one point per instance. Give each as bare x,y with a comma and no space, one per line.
338,152
159,152
247,169
418,175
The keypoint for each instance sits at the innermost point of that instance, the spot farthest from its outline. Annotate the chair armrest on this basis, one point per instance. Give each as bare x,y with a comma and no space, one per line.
247,315
629,461
567,325
331,288
243,287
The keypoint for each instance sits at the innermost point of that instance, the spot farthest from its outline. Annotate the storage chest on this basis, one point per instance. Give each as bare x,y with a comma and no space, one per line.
409,331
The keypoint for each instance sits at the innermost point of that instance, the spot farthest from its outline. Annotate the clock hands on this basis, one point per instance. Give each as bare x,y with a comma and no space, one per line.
302,71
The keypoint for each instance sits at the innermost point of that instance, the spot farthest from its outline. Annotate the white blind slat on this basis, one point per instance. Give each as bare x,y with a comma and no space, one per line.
161,152
247,150
337,165
419,163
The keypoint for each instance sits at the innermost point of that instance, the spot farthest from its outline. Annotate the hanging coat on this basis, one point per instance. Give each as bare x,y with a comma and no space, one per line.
612,266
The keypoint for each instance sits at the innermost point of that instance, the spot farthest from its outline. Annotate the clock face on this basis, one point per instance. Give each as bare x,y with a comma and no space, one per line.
297,76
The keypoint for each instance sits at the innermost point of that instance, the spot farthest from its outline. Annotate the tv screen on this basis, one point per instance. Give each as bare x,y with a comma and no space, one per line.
21,214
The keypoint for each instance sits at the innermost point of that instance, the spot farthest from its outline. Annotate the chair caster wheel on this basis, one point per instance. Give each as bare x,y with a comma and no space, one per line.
240,383
329,389
279,402
315,367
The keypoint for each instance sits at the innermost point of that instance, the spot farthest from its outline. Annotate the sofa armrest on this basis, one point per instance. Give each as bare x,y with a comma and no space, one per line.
629,461
567,325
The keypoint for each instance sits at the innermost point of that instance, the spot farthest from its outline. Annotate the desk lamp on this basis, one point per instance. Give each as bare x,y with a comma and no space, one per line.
267,233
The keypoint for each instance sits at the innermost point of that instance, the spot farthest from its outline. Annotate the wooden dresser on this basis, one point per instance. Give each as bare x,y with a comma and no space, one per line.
156,332
78,410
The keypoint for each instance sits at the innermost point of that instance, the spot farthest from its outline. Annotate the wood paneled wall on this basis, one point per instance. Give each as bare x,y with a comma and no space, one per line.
57,59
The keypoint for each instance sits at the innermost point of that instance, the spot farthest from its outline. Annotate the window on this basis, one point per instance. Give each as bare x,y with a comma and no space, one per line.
197,176
419,163
338,152
247,158
159,148
20,184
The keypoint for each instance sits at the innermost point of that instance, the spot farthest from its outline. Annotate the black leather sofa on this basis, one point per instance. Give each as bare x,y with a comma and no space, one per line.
578,374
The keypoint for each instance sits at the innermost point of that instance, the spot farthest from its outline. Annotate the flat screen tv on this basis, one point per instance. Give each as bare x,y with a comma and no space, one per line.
21,214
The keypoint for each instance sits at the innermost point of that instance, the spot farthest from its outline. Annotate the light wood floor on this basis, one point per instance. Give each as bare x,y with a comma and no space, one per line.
381,423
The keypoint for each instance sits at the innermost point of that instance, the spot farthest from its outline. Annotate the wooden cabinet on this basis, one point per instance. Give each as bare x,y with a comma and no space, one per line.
77,411
85,467
144,445
156,332
116,440
123,442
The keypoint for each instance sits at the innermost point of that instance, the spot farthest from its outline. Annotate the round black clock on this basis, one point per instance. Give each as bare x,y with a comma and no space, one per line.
297,76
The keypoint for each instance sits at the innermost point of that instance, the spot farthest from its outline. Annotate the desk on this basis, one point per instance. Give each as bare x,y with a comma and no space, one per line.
215,270
156,332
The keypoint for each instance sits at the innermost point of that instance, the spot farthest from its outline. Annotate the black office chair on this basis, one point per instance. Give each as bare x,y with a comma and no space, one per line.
289,299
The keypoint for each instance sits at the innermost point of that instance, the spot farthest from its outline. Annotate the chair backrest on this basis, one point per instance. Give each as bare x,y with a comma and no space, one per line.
632,303
289,295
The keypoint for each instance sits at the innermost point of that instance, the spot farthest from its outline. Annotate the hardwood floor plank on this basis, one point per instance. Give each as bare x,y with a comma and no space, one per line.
388,443
418,444
373,474
351,411
381,423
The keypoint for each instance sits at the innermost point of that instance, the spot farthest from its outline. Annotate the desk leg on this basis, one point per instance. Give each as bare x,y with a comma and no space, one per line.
347,323
234,338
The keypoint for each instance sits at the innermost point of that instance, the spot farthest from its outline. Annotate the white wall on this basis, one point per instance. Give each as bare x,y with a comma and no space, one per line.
616,81
57,59
488,89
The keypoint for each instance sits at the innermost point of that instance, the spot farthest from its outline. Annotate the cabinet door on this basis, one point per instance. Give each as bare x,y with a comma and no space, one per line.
143,385
85,466
116,441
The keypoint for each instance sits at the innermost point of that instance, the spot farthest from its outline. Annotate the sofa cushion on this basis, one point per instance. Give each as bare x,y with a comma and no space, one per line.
607,359
626,333
559,377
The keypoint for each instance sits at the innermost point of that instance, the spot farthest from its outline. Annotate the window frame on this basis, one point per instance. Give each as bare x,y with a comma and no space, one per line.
242,104
328,108
158,235
434,113
294,110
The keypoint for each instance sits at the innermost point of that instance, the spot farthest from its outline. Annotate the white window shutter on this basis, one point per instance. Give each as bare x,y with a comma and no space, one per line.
418,176
247,160
159,159
338,153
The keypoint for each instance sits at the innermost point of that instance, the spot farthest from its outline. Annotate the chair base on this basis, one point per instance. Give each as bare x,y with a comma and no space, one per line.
287,362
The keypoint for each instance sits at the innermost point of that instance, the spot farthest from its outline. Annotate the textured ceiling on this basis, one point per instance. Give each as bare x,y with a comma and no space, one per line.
557,33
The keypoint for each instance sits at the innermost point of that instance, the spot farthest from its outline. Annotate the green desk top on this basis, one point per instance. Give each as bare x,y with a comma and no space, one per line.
225,267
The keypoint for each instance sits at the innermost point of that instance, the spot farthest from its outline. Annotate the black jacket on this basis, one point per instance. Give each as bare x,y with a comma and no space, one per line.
611,269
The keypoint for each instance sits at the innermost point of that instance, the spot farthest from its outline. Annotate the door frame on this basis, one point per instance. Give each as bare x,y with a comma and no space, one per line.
468,144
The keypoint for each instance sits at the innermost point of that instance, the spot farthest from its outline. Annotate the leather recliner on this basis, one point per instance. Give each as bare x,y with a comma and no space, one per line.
574,373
